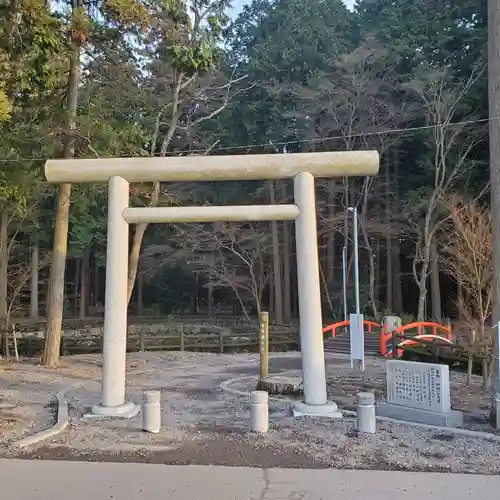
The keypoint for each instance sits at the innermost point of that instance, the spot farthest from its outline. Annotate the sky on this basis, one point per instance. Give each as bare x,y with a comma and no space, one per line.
238,4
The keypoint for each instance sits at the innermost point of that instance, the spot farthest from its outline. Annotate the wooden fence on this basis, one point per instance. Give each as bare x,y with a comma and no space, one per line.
220,342
82,323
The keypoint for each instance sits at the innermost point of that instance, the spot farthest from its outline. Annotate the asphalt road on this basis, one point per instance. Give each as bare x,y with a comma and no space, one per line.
53,480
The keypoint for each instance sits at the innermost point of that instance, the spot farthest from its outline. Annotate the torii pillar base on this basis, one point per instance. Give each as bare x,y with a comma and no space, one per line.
327,410
126,410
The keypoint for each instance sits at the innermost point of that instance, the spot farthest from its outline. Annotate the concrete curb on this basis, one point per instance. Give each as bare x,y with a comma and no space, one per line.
118,448
58,427
487,436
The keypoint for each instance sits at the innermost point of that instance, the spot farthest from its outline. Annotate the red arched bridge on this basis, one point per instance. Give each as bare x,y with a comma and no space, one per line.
378,341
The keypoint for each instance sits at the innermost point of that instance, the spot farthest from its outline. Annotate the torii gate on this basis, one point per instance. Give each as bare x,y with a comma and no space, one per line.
302,167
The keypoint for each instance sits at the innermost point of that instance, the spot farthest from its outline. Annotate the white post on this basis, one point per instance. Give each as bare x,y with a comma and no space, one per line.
357,342
356,255
34,282
366,412
311,326
259,411
115,308
151,412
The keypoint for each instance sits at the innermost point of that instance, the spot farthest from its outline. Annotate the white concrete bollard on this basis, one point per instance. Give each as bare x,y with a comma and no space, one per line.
366,412
151,411
259,411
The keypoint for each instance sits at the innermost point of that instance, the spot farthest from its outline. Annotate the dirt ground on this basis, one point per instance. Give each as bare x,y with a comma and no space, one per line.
203,424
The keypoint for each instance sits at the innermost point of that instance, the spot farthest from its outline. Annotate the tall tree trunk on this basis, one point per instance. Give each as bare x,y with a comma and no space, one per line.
133,260
388,240
278,285
330,243
76,286
140,229
96,283
34,281
135,251
424,255
346,229
140,284
460,294
378,242
363,223
261,279
470,364
193,305
422,292
50,356
210,289
371,261
435,287
84,283
293,281
424,274
4,278
397,288
4,265
271,300
494,125
287,301
210,299
486,374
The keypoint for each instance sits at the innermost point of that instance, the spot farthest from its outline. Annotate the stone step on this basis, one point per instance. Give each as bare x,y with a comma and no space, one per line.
341,344
346,349
346,346
347,341
338,345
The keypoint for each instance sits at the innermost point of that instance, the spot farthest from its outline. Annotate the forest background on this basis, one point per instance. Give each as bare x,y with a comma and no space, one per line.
118,78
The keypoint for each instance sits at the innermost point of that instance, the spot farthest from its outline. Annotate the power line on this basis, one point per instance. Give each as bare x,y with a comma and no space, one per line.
283,143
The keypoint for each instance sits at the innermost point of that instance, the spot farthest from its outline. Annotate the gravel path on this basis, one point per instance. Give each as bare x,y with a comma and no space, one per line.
27,405
204,425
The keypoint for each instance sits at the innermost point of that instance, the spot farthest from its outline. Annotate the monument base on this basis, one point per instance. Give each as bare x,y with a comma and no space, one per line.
126,410
327,410
451,419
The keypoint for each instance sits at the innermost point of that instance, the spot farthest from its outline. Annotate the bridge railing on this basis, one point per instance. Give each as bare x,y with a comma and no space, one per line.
331,330
438,331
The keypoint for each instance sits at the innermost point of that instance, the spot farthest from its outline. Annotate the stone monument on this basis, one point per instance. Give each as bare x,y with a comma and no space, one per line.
419,392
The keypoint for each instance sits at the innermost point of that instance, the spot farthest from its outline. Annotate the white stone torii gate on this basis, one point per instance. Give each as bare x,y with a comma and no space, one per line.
302,167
